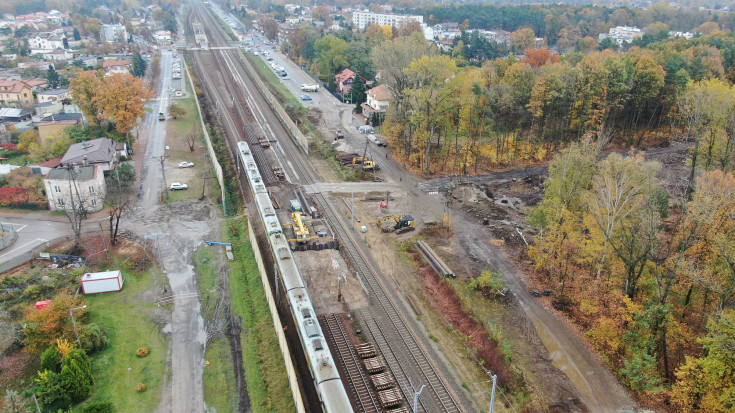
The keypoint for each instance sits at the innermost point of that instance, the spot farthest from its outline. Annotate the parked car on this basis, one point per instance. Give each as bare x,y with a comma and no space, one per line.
322,232
305,97
186,164
366,129
161,116
179,186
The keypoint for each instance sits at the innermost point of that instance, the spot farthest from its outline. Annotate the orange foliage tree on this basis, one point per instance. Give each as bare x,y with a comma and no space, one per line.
52,322
122,99
539,57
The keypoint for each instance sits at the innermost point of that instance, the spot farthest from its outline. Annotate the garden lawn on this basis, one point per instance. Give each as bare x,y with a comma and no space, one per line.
127,318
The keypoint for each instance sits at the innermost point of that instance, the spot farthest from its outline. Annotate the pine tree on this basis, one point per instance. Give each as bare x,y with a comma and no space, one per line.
52,77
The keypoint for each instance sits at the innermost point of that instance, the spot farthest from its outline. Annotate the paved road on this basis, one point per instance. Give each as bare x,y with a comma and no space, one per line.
174,238
32,233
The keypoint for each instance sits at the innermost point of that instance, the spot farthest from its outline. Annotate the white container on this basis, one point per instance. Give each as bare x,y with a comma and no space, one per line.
102,282
363,229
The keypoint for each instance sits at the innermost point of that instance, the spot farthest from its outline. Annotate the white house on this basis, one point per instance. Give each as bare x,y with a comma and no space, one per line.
162,36
58,55
378,100
112,33
117,66
46,41
85,183
53,95
622,34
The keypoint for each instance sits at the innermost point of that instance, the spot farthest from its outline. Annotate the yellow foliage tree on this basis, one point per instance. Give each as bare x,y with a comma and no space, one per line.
84,88
121,99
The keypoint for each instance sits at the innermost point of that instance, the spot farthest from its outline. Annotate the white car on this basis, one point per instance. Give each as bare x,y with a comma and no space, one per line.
186,164
179,186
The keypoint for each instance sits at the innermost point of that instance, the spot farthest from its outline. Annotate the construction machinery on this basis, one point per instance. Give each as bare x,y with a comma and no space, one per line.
367,164
394,223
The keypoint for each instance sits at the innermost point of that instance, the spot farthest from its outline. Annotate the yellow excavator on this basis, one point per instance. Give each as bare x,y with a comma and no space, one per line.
394,223
367,164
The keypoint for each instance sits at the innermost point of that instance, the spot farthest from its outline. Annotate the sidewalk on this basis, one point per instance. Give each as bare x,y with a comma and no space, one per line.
45,215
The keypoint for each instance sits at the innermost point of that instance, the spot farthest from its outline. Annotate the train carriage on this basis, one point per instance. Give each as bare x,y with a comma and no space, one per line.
323,368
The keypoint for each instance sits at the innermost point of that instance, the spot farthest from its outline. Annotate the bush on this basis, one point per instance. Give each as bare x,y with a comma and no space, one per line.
99,407
142,352
93,338
50,360
489,281
76,376
140,388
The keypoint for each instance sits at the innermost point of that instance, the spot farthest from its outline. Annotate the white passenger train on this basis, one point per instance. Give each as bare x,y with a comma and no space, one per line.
323,368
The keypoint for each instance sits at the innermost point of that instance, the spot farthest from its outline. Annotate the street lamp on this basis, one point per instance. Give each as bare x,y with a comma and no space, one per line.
75,324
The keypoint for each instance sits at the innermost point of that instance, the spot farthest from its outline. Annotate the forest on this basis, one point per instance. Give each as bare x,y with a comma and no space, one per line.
639,256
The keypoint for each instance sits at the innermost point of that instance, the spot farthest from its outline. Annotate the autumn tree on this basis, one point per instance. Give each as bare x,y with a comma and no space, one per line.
176,111
191,138
270,27
52,322
27,139
121,100
539,57
707,383
522,39
84,88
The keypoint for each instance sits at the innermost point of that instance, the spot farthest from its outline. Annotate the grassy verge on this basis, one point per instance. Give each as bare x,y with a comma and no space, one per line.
265,373
273,82
220,388
127,318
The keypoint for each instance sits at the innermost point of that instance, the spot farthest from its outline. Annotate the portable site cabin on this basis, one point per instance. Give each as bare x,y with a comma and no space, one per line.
102,282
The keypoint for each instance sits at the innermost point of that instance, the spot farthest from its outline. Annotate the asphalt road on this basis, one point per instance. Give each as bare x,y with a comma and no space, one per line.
32,233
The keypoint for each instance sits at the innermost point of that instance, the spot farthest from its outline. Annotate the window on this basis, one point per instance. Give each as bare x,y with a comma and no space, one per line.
94,202
91,190
57,189
60,202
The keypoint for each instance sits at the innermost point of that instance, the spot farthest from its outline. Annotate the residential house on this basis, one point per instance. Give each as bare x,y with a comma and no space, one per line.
14,115
46,41
343,81
378,99
112,66
49,108
100,152
113,33
58,55
162,36
621,34
16,93
53,95
52,126
84,182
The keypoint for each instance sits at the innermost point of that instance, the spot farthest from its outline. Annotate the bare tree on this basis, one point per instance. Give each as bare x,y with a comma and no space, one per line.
75,207
191,138
118,196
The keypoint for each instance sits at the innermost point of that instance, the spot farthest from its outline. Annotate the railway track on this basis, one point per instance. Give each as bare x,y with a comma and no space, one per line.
414,367
406,355
359,384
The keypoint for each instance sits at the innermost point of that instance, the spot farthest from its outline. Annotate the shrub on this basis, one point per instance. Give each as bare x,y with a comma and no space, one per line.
142,352
50,360
99,407
93,338
489,281
76,376
140,387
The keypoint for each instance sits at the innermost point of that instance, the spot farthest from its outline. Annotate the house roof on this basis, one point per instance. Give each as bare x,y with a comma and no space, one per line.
83,173
116,62
36,82
62,116
51,163
380,92
100,150
53,92
12,112
57,122
344,75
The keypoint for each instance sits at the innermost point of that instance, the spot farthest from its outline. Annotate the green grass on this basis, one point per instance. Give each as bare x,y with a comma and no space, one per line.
273,81
265,372
220,388
19,160
126,316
